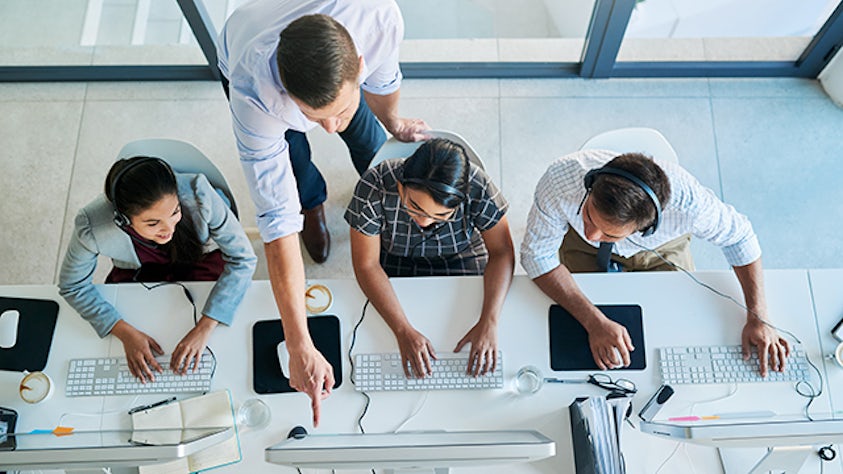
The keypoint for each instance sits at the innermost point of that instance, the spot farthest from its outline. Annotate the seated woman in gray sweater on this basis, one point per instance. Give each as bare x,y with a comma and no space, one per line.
157,225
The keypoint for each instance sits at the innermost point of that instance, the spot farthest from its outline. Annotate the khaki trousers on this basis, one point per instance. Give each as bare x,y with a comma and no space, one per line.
580,257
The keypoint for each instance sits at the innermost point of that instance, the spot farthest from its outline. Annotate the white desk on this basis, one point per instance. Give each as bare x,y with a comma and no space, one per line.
676,312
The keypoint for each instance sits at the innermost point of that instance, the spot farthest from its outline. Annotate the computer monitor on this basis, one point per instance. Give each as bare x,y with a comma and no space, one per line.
432,450
791,439
91,449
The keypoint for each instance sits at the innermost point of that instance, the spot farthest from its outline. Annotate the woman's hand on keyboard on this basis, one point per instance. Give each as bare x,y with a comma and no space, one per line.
772,349
189,350
417,350
139,348
483,338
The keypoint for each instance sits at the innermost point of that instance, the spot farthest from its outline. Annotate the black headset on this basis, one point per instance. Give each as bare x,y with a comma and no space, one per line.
120,219
588,181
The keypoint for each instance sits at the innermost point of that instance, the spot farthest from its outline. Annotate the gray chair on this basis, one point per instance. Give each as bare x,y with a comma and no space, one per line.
398,149
183,157
635,139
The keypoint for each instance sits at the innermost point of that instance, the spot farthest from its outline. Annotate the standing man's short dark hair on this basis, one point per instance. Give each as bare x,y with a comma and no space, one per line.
316,56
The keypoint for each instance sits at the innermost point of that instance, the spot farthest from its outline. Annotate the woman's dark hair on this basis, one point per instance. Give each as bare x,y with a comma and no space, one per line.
439,167
622,201
142,181
316,56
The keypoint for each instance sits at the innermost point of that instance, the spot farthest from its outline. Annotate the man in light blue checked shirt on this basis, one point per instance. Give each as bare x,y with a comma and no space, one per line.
291,66
565,213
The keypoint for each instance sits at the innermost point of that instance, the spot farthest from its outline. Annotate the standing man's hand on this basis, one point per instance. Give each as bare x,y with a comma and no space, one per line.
772,348
605,337
312,374
408,130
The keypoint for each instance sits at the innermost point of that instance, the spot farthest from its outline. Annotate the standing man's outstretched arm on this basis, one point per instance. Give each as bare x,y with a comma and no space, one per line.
309,371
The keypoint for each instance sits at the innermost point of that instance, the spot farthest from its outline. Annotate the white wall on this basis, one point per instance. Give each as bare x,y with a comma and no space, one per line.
831,78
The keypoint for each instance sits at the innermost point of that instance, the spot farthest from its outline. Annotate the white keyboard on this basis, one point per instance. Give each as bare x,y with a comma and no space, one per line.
725,364
379,372
111,376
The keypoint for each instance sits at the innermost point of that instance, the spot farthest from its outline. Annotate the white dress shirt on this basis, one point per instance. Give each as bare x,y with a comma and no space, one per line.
692,208
262,111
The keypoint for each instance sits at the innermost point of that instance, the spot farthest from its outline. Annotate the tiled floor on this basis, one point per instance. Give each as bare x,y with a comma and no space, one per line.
770,147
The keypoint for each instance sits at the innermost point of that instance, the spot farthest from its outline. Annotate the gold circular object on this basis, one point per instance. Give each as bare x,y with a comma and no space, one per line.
318,298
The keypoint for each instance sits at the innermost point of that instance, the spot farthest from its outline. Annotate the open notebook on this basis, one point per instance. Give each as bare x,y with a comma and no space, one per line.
207,411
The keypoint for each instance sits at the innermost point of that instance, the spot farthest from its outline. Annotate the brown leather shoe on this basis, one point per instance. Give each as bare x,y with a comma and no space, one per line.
315,234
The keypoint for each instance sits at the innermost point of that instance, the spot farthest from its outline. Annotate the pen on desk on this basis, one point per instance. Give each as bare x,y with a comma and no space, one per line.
555,380
726,416
149,407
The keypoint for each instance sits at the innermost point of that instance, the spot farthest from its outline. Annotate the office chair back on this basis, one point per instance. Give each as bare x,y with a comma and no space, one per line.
183,157
398,149
635,139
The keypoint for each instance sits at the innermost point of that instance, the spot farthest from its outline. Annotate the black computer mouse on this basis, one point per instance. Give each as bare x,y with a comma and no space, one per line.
298,432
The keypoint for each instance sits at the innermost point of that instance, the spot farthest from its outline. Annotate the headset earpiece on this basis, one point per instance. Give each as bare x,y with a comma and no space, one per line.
589,178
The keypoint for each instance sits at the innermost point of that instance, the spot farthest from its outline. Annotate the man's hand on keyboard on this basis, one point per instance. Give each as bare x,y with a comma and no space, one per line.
483,338
189,350
605,337
139,348
417,350
312,374
772,349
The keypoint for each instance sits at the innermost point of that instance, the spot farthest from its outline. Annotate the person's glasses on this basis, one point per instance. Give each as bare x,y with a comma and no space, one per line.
627,387
422,214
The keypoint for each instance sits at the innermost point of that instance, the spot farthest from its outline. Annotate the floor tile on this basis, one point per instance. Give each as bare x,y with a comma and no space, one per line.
42,92
36,176
762,87
780,162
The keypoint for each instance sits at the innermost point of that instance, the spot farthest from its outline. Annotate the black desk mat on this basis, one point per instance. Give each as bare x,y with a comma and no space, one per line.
267,376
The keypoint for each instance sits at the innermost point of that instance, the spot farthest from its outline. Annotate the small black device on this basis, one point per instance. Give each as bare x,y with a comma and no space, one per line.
654,404
588,181
298,432
569,349
8,420
837,332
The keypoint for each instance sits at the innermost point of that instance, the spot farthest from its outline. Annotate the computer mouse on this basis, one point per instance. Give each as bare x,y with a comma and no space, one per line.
284,358
298,432
9,328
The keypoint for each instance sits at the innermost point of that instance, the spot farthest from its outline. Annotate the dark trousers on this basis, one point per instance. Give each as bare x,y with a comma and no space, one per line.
363,137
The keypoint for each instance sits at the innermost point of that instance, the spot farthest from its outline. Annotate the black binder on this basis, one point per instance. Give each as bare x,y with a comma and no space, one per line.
596,427
36,325
267,376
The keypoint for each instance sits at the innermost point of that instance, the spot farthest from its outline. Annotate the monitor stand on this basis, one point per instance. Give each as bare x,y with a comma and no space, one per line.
436,470
780,459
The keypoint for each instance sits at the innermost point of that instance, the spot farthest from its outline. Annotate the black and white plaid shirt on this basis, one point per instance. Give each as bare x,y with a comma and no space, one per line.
446,248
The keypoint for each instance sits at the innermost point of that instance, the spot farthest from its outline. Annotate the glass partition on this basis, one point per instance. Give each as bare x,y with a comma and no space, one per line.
722,30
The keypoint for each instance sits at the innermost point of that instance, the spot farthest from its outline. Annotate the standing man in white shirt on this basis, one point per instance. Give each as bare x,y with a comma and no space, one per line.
607,210
290,66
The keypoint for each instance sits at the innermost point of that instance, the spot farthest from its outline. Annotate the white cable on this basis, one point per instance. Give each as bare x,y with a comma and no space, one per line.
110,412
415,411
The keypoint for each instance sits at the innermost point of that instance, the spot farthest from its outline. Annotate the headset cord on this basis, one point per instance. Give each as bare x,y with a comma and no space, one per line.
189,297
803,387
